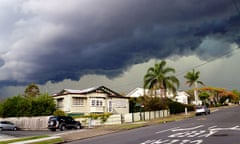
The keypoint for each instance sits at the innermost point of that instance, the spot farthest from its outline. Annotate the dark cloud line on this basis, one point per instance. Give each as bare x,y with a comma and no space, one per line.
108,37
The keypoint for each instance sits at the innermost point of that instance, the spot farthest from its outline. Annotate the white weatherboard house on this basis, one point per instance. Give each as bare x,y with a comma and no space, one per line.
181,96
92,100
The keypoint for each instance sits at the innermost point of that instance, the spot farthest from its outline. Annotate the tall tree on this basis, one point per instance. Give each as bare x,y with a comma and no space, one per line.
161,77
32,90
204,97
193,80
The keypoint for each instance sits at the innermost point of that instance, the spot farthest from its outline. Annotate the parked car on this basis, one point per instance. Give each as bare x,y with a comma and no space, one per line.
7,125
200,110
62,123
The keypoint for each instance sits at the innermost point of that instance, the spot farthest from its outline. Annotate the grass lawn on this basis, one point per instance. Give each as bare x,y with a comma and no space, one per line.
52,141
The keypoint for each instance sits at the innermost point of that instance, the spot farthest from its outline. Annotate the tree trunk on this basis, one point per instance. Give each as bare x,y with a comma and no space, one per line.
196,93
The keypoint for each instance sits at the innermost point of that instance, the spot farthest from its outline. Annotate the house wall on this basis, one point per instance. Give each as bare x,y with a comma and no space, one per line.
100,97
182,99
79,108
119,105
68,106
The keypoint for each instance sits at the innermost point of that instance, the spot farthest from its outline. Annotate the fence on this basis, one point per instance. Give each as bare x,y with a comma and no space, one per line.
29,123
40,123
132,117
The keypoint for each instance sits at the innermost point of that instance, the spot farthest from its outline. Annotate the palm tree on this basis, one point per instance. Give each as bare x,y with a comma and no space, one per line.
161,78
193,80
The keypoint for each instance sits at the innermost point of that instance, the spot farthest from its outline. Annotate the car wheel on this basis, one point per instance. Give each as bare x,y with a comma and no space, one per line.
53,130
14,129
78,126
62,127
1,129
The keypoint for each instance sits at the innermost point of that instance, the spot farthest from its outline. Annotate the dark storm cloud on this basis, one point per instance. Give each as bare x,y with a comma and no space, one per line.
64,40
1,62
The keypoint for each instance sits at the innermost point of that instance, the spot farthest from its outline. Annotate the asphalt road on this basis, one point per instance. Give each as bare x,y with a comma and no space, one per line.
220,127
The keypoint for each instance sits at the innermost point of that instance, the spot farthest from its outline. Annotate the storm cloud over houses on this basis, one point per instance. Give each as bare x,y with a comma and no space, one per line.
56,40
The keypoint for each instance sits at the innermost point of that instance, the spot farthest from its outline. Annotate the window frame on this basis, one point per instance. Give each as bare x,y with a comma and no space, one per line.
77,101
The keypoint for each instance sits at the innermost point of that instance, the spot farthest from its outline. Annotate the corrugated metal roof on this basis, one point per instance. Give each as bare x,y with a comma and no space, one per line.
81,91
89,90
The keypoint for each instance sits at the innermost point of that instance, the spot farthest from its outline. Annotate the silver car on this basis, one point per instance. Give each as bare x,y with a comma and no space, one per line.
7,125
200,110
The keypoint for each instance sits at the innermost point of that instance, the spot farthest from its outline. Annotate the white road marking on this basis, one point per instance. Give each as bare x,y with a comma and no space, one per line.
187,129
167,130
191,135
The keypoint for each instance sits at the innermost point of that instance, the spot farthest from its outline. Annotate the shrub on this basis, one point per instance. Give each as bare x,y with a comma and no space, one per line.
176,107
104,117
59,112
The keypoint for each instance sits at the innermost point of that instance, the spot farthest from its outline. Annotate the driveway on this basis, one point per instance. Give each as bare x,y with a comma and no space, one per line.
3,136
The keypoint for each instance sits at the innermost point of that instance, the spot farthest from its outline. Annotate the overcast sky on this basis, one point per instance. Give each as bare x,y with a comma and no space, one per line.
78,44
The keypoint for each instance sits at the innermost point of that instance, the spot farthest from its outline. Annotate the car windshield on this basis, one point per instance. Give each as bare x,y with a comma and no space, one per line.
6,123
52,118
199,107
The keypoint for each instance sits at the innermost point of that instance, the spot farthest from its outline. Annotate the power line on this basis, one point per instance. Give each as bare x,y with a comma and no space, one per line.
211,60
228,53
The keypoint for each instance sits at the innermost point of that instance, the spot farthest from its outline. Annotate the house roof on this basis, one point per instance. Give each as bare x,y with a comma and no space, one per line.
137,92
100,89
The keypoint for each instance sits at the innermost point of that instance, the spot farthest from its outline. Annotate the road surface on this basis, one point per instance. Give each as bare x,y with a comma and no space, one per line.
220,127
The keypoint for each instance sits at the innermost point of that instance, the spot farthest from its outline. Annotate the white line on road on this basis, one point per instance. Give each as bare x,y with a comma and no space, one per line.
167,130
186,129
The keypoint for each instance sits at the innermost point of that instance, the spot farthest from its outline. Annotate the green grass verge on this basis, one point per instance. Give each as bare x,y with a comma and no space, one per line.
52,141
22,139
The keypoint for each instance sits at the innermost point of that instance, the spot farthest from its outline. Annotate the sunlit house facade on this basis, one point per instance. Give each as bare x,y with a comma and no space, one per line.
92,100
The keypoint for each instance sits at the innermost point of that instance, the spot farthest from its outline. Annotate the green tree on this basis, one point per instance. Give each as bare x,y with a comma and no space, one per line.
204,96
237,98
1,109
16,106
161,78
193,80
32,90
43,105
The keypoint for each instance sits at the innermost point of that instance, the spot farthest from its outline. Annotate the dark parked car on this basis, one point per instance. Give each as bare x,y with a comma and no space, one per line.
62,123
200,110
7,125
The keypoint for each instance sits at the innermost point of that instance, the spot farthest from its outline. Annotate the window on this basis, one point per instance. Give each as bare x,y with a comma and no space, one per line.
78,101
60,102
97,102
93,103
110,108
